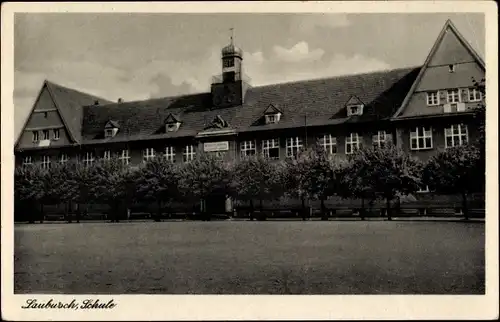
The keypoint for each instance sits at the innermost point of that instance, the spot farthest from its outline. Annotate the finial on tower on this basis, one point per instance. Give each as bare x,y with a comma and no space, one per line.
232,35
231,50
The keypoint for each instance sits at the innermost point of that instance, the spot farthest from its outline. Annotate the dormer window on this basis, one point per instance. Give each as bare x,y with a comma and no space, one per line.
110,129
172,123
354,106
273,118
109,133
272,114
355,109
172,127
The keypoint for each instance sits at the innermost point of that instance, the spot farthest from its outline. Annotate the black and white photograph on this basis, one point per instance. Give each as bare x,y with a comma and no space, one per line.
248,153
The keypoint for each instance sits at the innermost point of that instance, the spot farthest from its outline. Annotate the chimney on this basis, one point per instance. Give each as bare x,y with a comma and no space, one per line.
120,100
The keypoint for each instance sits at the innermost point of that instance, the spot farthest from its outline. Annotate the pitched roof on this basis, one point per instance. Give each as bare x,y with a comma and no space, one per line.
112,124
447,26
322,100
69,103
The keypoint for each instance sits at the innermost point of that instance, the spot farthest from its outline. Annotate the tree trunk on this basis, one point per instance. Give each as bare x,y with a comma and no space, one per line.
77,212
324,215
32,212
362,211
388,208
158,211
42,214
303,208
261,208
465,209
251,209
67,212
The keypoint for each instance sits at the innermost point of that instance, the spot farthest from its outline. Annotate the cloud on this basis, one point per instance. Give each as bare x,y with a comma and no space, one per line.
163,84
298,53
269,70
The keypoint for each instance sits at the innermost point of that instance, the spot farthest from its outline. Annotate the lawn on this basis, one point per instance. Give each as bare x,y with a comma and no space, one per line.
374,257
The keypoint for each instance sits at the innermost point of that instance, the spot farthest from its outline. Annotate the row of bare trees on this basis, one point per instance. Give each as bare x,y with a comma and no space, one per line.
369,174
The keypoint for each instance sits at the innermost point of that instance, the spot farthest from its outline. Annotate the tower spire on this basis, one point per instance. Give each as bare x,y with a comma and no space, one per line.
232,35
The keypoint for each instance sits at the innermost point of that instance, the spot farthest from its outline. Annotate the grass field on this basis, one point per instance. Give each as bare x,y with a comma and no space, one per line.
376,257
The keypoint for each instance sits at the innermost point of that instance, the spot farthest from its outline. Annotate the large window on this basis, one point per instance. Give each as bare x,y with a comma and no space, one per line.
248,148
352,143
170,153
148,154
329,143
453,95
188,153
35,136
271,149
456,135
88,158
107,155
433,98
125,157
45,162
56,134
421,138
63,158
293,146
27,160
475,95
46,134
381,138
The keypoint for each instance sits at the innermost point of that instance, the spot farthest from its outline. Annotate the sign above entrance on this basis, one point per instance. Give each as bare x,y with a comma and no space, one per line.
216,146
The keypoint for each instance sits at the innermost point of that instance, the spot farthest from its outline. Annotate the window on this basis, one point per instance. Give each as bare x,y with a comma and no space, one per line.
35,136
46,134
355,110
351,143
107,155
423,189
381,138
455,135
293,146
451,68
172,127
421,138
228,63
248,148
88,158
148,154
272,118
329,143
45,162
188,153
271,149
475,95
432,98
27,161
56,134
453,95
125,157
63,158
45,114
170,153
108,133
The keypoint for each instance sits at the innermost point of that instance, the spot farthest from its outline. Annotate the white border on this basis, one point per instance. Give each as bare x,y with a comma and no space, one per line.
225,307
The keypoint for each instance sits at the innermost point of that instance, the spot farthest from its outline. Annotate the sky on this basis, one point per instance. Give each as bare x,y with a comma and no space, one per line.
137,56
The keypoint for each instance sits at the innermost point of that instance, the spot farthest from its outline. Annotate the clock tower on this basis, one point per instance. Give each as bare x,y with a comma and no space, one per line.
228,89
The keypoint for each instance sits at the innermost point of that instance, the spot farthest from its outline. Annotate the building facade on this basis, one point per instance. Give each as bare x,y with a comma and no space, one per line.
423,110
